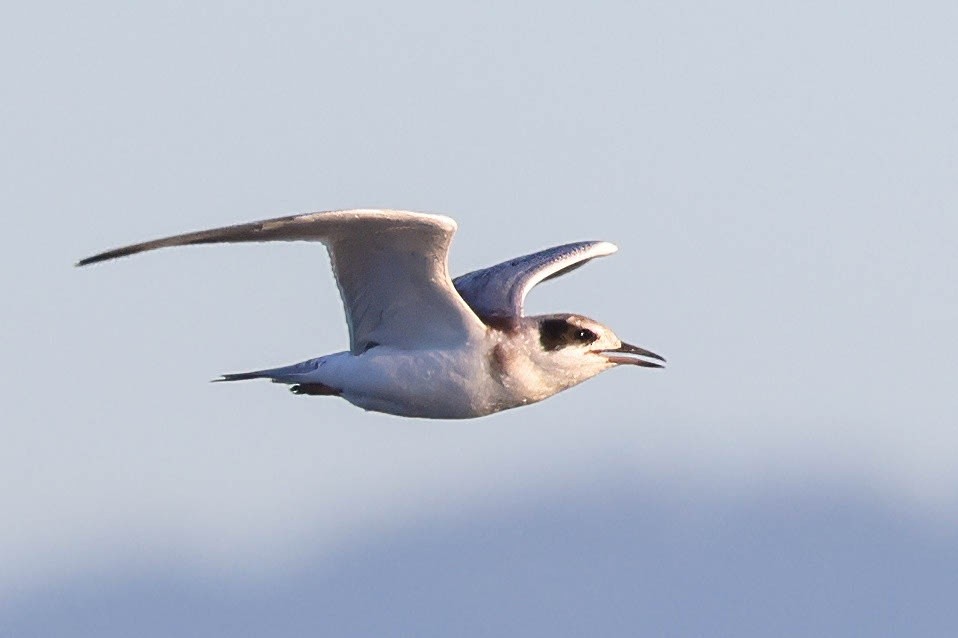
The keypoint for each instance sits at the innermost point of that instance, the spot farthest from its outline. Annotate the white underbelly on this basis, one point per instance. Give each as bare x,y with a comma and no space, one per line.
439,384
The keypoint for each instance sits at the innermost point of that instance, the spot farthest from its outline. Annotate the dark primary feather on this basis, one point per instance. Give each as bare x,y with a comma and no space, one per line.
265,230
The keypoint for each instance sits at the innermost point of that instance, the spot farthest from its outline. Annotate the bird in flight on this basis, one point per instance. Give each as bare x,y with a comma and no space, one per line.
420,343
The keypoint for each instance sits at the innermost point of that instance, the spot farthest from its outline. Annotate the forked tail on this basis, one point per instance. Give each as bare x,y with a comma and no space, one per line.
284,374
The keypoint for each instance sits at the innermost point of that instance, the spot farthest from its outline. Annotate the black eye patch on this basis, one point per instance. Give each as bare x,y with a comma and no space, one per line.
559,333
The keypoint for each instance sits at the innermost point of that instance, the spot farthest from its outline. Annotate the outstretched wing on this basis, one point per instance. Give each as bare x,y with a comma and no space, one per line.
497,293
390,267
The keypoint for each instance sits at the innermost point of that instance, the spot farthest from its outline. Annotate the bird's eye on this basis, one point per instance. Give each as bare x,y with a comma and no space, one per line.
555,334
586,335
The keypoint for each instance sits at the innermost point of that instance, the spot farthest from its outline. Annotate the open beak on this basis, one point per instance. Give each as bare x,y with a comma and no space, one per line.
627,353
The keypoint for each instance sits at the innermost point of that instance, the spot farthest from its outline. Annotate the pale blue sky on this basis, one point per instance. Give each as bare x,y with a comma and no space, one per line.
781,179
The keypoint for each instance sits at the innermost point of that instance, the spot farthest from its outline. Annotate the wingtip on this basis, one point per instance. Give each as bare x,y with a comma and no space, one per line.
109,254
606,247
104,256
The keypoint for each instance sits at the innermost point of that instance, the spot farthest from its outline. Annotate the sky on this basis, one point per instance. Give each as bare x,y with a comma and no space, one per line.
782,183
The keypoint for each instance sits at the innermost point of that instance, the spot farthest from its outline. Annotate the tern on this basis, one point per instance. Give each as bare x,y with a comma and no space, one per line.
420,343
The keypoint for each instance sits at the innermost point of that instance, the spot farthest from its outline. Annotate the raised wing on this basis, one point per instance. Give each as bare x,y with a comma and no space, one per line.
390,267
497,293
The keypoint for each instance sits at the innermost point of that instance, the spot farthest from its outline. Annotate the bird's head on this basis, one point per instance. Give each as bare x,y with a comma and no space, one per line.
573,348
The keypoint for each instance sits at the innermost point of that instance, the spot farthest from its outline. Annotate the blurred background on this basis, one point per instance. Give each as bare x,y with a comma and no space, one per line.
781,179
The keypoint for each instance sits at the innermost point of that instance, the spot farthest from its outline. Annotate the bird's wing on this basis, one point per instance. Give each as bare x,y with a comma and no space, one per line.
390,267
497,293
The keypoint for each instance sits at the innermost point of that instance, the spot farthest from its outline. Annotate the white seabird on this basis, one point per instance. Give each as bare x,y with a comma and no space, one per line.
420,343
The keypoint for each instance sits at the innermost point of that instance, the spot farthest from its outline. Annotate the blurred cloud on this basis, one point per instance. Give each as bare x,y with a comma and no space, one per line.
619,560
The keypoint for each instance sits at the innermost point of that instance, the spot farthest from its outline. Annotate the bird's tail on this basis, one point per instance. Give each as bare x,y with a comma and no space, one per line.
284,374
